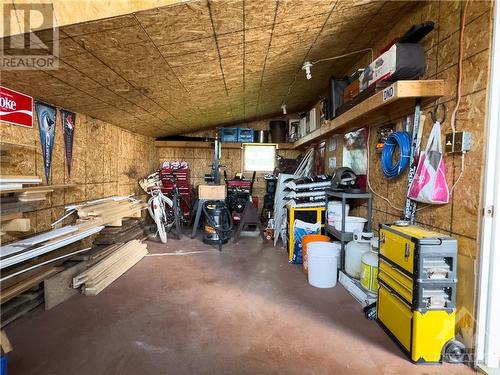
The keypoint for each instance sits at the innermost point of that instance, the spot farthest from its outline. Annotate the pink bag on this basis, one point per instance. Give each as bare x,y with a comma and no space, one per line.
429,184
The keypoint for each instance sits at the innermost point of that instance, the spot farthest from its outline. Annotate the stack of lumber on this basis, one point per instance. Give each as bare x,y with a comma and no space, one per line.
38,245
17,198
110,212
14,223
12,205
98,253
102,274
20,305
130,229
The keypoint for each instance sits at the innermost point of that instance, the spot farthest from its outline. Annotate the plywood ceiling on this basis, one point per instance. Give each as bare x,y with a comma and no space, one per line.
200,64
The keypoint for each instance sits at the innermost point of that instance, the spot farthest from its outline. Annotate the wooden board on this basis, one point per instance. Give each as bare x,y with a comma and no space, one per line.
4,342
58,289
16,215
47,236
25,285
38,189
16,225
20,179
97,253
224,145
20,306
96,284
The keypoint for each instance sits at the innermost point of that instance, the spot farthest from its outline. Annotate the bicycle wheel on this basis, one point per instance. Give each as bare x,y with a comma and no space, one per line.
177,218
159,217
167,207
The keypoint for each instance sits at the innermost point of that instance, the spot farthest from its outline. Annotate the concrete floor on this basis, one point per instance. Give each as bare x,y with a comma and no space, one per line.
242,311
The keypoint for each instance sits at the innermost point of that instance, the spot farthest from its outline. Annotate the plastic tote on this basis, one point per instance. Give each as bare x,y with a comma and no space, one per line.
334,211
429,184
352,224
322,260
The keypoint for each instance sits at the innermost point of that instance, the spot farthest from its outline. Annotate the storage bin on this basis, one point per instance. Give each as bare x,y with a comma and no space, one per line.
228,134
245,135
352,224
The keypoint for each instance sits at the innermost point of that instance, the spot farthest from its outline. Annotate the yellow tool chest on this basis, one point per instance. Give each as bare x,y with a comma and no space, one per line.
417,292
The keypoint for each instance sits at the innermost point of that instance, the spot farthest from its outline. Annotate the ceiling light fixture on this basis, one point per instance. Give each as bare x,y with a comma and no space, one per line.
307,67
283,108
309,64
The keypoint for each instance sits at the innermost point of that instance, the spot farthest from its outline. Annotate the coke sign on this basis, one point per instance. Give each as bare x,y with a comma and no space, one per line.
16,108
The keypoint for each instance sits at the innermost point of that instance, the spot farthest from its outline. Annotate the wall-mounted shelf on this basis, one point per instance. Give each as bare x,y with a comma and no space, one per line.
227,145
396,95
43,189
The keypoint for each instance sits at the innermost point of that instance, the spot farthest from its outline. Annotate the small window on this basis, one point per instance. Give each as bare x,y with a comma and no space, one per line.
259,157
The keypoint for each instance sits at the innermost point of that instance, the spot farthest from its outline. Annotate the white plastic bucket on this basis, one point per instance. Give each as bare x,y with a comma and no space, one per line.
322,261
352,224
334,211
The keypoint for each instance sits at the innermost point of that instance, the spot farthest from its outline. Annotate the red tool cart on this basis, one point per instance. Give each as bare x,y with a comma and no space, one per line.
183,176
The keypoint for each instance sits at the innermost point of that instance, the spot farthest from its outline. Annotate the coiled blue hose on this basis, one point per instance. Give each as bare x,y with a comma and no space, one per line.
403,141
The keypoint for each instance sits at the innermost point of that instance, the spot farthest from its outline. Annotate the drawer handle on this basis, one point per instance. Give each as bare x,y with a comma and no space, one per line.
407,251
382,238
398,298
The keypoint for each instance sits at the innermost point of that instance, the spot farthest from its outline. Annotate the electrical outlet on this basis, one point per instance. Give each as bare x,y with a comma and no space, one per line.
458,142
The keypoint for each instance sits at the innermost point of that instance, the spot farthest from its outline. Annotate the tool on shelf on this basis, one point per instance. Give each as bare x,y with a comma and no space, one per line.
344,179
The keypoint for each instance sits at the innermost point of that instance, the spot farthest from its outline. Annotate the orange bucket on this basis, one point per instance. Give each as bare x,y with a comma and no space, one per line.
311,238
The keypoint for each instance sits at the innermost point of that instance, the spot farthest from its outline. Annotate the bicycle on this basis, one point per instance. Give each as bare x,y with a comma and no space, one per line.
175,215
167,210
157,207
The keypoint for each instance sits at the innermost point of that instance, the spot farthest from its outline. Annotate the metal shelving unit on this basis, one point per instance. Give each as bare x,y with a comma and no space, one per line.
352,285
342,235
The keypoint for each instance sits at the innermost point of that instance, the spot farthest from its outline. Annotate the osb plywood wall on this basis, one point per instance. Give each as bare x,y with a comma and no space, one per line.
200,159
107,160
462,216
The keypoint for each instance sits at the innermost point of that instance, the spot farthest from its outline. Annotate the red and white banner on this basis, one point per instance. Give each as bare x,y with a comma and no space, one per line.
16,108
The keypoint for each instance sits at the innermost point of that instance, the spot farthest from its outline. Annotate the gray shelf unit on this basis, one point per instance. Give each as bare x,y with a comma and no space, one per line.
342,235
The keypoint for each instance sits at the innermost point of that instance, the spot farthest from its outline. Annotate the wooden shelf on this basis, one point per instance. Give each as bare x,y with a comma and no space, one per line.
398,94
201,144
38,189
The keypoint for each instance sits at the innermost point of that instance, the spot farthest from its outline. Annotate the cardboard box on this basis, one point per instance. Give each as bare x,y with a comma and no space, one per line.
215,192
401,61
351,91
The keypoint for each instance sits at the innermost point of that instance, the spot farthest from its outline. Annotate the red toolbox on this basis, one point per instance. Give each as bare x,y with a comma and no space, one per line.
183,176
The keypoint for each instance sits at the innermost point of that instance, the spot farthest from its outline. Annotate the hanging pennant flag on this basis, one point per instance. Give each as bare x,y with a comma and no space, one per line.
68,124
46,115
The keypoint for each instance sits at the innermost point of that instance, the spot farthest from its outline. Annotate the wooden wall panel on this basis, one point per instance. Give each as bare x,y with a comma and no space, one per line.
102,156
460,218
200,159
